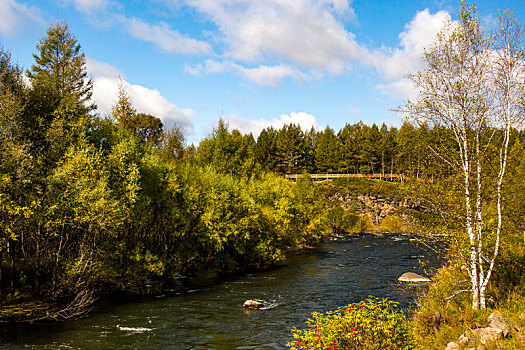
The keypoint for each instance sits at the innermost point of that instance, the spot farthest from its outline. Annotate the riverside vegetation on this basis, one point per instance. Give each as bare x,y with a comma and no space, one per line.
92,204
471,90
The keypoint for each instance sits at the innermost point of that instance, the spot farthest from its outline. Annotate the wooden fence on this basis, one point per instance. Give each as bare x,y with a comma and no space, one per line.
326,177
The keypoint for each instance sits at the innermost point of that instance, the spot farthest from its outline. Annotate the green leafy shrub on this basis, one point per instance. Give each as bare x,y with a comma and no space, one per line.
392,224
364,224
370,324
341,221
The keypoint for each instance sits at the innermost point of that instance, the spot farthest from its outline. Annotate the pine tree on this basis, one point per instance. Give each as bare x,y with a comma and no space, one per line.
59,100
123,111
266,149
371,145
290,148
60,66
326,151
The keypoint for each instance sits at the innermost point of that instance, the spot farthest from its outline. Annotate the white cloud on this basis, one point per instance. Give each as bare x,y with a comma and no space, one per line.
269,76
303,32
255,126
342,8
146,100
419,33
395,63
398,89
269,40
166,38
103,70
89,6
15,16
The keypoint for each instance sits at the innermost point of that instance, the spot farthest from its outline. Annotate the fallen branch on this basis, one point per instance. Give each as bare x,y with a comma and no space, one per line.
453,295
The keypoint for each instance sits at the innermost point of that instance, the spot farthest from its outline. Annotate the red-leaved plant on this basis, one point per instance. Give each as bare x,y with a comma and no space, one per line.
369,324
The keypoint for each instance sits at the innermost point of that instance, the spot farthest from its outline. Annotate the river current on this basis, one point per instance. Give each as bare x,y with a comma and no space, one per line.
208,314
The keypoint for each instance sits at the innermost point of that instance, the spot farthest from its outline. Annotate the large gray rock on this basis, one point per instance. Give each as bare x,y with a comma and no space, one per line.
499,324
486,335
412,277
483,335
498,328
252,304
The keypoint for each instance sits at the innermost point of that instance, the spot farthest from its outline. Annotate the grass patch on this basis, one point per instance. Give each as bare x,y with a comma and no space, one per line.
440,319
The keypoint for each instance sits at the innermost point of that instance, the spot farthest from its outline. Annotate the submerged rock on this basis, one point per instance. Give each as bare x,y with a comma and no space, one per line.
252,304
412,277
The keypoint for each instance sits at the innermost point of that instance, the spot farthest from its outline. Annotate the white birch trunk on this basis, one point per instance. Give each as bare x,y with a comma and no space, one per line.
468,223
479,221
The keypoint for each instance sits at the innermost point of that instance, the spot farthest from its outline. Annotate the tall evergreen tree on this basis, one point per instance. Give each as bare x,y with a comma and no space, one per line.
123,111
290,143
55,118
60,66
59,100
405,140
351,138
308,163
266,149
326,151
371,148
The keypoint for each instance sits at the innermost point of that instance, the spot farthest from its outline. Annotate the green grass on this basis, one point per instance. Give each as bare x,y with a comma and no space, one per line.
458,315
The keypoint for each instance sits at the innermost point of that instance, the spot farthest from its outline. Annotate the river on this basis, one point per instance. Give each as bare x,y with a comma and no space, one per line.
208,315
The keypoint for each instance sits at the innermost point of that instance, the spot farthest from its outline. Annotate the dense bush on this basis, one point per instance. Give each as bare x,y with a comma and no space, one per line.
91,204
369,324
392,224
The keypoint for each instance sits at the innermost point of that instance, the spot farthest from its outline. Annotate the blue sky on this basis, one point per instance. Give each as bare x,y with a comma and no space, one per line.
254,63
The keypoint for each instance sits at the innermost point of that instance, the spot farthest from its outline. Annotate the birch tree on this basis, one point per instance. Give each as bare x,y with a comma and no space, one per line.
473,85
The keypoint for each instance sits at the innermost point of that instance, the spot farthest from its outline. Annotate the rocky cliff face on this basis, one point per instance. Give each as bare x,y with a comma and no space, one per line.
375,208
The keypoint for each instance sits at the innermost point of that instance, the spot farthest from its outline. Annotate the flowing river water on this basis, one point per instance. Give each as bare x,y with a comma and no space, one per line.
205,314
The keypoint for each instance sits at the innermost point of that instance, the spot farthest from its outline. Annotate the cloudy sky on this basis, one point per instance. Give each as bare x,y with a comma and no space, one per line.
254,63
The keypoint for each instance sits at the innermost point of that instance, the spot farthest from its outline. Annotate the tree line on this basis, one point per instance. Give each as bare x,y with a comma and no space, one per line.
412,150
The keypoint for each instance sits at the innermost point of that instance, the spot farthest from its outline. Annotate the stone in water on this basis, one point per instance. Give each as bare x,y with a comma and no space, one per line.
412,277
252,304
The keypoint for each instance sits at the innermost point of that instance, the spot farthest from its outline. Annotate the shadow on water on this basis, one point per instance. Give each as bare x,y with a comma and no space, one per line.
208,315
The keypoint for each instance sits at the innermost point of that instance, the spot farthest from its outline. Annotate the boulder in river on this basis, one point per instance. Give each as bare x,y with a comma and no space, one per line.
252,304
412,277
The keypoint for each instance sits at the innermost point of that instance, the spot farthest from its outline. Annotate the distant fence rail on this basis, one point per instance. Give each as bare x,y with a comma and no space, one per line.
325,177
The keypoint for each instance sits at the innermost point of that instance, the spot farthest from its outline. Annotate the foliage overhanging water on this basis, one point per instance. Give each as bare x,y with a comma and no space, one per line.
210,316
